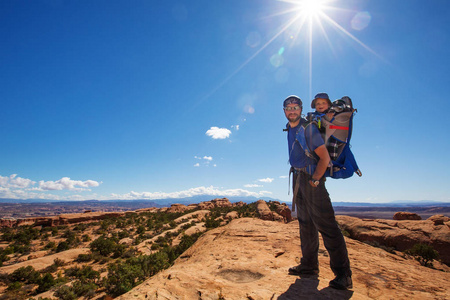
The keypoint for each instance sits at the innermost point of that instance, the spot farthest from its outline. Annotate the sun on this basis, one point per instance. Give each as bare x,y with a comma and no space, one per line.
310,8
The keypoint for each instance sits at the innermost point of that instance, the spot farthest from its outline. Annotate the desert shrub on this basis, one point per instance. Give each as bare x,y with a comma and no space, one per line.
424,253
188,225
65,293
80,227
86,238
84,274
22,235
84,289
130,252
84,257
104,245
45,236
55,231
122,277
19,248
69,234
45,283
25,274
50,245
4,254
62,246
14,286
123,234
211,222
58,262
119,250
345,233
140,229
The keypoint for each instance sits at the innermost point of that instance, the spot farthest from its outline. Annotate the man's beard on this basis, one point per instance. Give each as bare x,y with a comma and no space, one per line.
293,117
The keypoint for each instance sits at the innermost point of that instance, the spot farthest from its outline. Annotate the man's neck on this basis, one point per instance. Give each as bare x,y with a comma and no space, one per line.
294,124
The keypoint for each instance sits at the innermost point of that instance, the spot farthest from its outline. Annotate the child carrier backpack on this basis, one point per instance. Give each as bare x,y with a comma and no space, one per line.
337,136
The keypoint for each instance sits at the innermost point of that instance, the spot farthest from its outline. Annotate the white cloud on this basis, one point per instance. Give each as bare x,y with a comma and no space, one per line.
15,187
218,133
214,165
266,180
283,176
202,190
15,182
206,160
235,127
252,185
66,183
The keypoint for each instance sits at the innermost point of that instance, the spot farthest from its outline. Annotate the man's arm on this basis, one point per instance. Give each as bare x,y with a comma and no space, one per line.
322,164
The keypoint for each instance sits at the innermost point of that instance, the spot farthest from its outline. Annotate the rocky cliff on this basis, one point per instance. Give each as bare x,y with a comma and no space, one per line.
401,235
249,258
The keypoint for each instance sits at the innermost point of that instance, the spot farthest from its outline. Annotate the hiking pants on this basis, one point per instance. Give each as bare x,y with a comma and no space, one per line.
315,214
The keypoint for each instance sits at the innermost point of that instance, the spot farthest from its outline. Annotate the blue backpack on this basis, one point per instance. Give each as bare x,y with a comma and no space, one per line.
337,136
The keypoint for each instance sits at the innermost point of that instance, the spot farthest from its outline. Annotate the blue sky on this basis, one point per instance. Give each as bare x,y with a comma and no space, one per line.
155,99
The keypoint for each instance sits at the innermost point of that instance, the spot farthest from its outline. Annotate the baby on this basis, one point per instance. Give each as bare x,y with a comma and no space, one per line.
327,110
322,104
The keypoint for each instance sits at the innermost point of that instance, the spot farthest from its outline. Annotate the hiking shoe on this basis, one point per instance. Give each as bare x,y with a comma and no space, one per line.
303,270
342,282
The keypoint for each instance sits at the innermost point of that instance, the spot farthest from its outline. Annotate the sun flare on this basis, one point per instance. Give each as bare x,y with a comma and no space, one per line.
310,8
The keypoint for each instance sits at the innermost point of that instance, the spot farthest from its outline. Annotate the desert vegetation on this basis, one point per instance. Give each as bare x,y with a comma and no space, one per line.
120,252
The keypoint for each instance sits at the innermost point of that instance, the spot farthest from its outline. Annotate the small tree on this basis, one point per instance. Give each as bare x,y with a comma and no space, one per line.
424,253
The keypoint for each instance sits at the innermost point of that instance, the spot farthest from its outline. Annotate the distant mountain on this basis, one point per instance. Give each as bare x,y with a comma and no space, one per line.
202,198
401,203
141,202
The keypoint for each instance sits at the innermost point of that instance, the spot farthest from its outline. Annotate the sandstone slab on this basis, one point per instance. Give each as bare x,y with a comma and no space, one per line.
249,258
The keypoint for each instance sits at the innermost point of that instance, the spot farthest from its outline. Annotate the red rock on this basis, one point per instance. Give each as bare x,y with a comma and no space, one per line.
401,235
174,208
439,219
406,216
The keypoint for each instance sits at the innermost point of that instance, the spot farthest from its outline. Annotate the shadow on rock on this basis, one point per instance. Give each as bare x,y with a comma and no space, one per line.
306,288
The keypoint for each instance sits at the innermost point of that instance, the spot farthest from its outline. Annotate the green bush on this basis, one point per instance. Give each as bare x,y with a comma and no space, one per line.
45,283
25,274
62,246
14,286
424,253
84,257
65,293
122,277
103,245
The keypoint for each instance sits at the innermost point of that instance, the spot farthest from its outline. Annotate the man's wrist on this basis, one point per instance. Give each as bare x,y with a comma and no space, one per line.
315,182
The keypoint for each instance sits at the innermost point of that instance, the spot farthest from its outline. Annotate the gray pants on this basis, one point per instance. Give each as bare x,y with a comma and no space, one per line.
316,214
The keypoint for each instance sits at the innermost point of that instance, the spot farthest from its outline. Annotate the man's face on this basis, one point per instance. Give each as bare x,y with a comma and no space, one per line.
293,112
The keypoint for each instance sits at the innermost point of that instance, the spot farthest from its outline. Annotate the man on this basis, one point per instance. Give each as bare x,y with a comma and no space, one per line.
314,210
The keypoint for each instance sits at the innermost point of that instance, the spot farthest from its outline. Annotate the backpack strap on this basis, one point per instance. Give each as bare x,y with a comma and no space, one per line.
301,138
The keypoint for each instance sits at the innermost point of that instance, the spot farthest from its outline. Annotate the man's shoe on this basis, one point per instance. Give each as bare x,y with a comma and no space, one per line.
303,270
342,282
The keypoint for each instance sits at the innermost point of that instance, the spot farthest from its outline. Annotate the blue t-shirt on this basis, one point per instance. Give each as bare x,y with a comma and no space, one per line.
297,156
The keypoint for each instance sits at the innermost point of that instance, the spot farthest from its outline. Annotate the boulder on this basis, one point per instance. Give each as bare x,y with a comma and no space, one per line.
232,215
175,208
439,219
400,235
406,216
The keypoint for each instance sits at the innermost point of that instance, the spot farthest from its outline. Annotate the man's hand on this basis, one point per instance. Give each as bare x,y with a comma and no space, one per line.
314,183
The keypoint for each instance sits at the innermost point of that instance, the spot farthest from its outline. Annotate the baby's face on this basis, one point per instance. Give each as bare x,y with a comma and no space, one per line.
321,105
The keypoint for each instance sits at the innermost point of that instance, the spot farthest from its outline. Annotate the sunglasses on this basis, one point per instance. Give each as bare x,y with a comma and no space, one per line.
289,108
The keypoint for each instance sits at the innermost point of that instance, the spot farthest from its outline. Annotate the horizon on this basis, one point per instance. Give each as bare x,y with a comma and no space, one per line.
246,199
116,100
